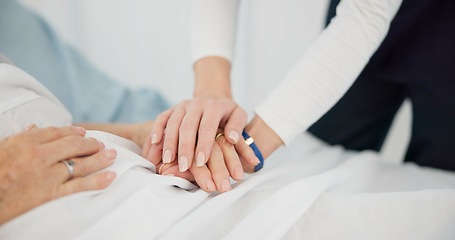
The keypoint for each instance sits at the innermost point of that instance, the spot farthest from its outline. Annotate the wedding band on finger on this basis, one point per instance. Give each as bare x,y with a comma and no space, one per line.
70,166
218,135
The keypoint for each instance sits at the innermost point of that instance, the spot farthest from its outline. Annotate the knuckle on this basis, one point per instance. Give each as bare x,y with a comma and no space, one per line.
91,142
77,143
81,169
205,129
54,131
185,125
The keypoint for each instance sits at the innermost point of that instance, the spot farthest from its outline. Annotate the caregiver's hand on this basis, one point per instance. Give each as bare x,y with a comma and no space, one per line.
191,126
32,171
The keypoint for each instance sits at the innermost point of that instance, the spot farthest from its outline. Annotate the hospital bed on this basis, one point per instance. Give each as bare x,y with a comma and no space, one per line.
307,191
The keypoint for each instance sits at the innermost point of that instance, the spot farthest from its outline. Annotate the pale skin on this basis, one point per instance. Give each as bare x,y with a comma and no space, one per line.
31,168
191,127
31,171
224,159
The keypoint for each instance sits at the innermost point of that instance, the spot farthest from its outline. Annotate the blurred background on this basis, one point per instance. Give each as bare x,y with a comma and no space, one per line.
145,43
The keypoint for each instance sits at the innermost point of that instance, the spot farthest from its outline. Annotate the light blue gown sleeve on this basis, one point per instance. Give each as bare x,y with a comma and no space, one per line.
89,94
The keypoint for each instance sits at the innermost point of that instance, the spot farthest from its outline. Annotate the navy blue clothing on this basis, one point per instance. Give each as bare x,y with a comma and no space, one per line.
416,61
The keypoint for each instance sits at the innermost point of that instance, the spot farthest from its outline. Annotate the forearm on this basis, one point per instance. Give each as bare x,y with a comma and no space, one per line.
327,70
122,130
212,78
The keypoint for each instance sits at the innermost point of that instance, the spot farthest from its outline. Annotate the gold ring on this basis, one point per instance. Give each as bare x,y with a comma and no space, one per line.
219,135
160,169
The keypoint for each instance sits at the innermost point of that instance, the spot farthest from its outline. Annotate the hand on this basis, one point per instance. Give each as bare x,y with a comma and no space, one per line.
223,163
191,127
32,172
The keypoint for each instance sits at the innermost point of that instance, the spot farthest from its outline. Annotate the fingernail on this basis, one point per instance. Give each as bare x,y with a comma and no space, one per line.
154,138
210,185
167,156
111,153
30,127
225,185
234,136
102,146
239,173
200,160
111,176
255,160
81,131
183,164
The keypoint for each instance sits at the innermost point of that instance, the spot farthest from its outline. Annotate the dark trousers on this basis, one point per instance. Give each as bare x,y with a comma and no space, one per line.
362,118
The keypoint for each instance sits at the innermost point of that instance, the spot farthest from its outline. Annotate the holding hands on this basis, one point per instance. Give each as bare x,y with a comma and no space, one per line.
188,135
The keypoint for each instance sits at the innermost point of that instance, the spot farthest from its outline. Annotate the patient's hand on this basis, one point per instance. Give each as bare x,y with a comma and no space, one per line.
224,163
32,171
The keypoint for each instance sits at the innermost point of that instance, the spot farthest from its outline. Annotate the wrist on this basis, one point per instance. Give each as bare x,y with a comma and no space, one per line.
267,141
212,78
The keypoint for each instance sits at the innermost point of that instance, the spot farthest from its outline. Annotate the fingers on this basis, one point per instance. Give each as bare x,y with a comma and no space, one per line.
96,162
203,178
96,181
206,137
187,137
44,135
172,169
154,155
236,123
231,159
247,156
159,126
172,135
69,147
220,173
30,128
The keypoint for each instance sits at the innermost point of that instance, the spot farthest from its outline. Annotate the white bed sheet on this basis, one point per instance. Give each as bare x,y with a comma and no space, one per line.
306,191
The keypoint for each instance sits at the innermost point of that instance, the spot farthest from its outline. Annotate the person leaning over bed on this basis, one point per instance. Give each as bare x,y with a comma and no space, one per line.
415,56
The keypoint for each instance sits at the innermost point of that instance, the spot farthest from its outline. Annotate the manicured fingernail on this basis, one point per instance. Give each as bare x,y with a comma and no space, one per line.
111,153
81,131
154,138
234,136
225,185
239,173
210,185
111,176
200,160
167,156
183,164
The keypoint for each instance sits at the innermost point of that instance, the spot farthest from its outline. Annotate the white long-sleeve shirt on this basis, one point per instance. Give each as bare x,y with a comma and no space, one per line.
321,76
